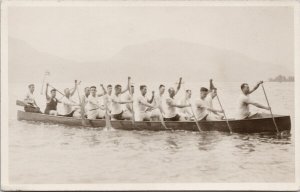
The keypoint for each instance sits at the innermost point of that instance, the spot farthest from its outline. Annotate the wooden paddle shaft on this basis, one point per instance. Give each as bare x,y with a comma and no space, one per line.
270,109
224,114
196,120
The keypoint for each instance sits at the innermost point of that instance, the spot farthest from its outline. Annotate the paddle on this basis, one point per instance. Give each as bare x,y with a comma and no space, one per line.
230,130
83,122
270,108
196,120
21,103
47,73
130,92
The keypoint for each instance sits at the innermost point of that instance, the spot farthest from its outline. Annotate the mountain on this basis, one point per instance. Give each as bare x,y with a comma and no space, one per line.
160,60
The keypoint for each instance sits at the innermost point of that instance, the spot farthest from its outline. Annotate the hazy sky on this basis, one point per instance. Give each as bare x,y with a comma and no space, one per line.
97,33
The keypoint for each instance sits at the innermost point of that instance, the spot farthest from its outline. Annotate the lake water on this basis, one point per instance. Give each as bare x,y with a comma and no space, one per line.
56,154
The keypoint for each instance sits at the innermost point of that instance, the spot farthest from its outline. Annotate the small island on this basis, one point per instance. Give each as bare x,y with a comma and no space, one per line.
282,78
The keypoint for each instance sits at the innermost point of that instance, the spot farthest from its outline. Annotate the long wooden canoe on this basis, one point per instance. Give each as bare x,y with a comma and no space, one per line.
238,126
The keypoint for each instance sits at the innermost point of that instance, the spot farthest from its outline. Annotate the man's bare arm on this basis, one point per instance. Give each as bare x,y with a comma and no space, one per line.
152,98
179,85
73,91
256,86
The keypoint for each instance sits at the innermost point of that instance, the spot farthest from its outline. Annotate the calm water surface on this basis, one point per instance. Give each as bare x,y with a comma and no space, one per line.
44,153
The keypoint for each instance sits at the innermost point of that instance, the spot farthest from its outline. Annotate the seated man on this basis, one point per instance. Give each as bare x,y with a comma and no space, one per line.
67,102
94,110
144,106
203,108
170,112
116,105
51,106
31,105
243,110
186,112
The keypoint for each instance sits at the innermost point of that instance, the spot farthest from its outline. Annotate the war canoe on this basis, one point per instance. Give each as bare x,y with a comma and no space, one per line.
238,126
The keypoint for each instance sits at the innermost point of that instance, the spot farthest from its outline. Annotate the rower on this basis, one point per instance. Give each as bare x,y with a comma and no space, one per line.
116,107
243,110
203,108
157,102
186,112
144,105
31,105
127,97
51,106
94,110
84,101
212,115
171,114
67,102
107,97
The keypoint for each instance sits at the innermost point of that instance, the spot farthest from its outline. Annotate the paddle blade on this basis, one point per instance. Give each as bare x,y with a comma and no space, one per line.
20,103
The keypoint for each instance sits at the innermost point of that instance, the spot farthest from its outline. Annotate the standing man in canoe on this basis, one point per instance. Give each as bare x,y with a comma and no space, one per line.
94,108
52,101
144,105
204,110
171,113
29,100
243,110
67,102
186,112
117,111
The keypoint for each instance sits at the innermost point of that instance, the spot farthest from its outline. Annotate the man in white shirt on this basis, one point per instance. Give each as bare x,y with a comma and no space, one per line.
170,112
243,109
185,112
117,111
67,102
29,100
144,106
94,109
203,108
158,110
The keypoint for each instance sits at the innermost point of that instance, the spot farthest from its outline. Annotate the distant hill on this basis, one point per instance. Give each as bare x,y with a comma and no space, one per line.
161,60
281,78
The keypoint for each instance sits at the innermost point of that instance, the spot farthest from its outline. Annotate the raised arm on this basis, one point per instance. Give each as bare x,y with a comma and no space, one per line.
152,98
256,86
179,85
104,91
73,91
121,102
47,96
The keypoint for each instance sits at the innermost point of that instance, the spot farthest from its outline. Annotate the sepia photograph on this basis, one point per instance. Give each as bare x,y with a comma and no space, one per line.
149,95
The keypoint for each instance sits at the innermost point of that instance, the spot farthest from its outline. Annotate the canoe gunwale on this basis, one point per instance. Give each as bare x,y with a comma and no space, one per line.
261,124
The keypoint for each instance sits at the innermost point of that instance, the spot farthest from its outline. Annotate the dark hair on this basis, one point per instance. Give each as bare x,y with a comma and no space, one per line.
132,86
161,86
142,87
109,85
188,90
203,89
30,85
117,86
53,90
93,87
243,85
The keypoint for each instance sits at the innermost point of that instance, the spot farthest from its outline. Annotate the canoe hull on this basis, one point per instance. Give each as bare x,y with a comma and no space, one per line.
238,126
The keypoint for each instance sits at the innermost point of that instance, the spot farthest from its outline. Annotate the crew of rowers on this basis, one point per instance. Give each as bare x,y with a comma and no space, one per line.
154,109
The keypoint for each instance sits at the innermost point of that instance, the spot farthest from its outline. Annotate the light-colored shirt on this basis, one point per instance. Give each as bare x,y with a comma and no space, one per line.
201,108
185,110
107,100
116,108
128,106
29,98
92,103
67,105
141,107
170,110
243,109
